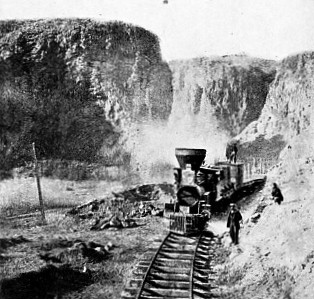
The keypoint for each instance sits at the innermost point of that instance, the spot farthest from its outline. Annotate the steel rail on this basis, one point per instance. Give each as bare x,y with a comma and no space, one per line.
192,268
151,265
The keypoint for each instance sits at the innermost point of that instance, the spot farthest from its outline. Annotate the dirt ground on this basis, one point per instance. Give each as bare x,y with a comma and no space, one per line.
24,242
274,259
21,264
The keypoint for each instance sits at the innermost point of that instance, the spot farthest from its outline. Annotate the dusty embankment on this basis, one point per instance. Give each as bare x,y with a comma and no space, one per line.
275,257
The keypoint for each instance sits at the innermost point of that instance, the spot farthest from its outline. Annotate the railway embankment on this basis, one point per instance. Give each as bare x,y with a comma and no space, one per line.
275,256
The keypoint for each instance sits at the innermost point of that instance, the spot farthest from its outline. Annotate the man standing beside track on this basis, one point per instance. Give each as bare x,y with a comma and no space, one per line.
233,222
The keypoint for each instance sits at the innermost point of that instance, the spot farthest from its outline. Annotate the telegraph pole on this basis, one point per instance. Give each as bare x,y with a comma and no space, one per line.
41,203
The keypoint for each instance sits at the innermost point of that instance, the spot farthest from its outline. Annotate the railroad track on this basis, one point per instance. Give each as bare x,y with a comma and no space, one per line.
179,268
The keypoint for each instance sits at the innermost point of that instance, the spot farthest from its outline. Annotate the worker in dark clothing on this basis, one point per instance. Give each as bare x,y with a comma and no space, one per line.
231,153
233,222
276,194
228,152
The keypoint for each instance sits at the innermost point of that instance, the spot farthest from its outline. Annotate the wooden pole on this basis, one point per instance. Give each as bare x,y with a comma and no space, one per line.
41,203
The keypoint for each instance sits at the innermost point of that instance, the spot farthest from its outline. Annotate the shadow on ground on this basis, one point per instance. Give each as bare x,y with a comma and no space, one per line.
49,282
223,205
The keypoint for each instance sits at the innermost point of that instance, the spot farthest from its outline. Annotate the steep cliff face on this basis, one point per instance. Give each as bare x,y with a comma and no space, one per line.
231,89
276,257
288,112
213,100
73,86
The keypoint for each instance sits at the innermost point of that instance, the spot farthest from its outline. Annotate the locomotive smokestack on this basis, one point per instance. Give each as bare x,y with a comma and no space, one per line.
191,156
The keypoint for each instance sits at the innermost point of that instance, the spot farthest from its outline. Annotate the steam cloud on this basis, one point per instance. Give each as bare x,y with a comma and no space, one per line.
153,144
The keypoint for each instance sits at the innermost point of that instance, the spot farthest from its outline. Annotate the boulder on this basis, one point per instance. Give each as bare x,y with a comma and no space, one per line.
115,222
255,217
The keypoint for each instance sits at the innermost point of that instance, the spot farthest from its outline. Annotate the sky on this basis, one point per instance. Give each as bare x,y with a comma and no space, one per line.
270,29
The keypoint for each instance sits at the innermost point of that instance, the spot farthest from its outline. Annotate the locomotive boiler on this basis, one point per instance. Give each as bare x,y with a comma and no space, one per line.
201,189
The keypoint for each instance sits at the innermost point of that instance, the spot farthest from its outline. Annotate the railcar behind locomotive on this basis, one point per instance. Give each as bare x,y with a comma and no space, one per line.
201,189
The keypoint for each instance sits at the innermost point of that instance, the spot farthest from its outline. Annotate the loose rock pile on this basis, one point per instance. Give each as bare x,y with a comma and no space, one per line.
113,222
145,209
86,210
123,209
149,192
88,251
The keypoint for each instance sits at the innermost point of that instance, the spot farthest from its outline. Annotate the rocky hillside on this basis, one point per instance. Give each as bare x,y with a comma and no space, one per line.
288,112
230,89
275,257
73,86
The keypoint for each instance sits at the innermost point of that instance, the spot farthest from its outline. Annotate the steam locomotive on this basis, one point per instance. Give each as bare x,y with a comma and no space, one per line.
203,189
